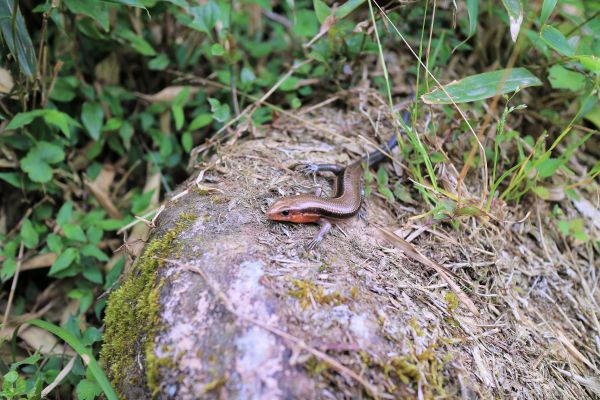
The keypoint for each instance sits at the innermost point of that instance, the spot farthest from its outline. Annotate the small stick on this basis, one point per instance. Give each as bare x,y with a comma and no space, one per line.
13,287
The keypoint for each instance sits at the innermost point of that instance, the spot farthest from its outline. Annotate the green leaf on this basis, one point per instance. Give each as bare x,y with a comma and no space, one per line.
289,84
14,178
220,111
37,162
306,24
87,390
562,78
93,251
92,116
65,213
16,37
386,192
29,234
382,177
547,8
159,63
74,232
322,10
138,43
52,117
97,10
200,121
472,10
590,62
548,167
555,39
91,336
63,261
217,49
348,7
515,16
178,116
482,86
205,16
23,118
9,267
247,76
84,352
54,243
187,141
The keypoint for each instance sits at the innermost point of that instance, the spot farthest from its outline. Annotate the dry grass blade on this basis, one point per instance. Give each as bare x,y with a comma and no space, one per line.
40,261
416,255
278,332
104,200
59,378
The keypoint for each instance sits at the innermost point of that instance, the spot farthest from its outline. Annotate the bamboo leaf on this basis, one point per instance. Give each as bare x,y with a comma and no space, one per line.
482,86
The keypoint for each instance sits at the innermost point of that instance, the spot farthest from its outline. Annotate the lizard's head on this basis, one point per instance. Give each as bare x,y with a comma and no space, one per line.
289,209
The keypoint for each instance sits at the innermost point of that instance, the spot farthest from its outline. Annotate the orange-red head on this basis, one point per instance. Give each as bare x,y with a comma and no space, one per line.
291,209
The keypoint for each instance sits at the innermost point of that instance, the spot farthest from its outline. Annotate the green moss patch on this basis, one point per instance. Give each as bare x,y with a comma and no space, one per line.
132,313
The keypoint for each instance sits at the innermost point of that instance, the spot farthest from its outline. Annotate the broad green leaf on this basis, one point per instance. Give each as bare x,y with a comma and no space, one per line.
382,177
178,116
547,8
322,10
159,63
205,16
386,192
65,213
90,250
306,23
63,261
562,78
138,43
482,86
37,162
83,351
515,16
548,167
247,75
52,117
74,232
187,142
9,267
16,37
200,121
29,234
97,10
86,389
23,118
13,178
555,39
92,116
220,111
289,84
217,49
590,62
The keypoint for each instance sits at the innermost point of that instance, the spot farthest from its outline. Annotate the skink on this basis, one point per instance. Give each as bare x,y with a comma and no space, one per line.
346,202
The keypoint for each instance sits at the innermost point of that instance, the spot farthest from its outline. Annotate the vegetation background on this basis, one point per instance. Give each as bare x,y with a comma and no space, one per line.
106,106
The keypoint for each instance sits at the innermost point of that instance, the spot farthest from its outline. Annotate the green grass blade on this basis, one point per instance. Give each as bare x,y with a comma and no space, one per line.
83,351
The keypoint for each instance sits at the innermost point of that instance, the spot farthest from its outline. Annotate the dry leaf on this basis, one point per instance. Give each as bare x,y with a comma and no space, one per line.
6,81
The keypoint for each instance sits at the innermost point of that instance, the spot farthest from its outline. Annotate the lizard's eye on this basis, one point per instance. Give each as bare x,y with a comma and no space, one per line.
285,213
